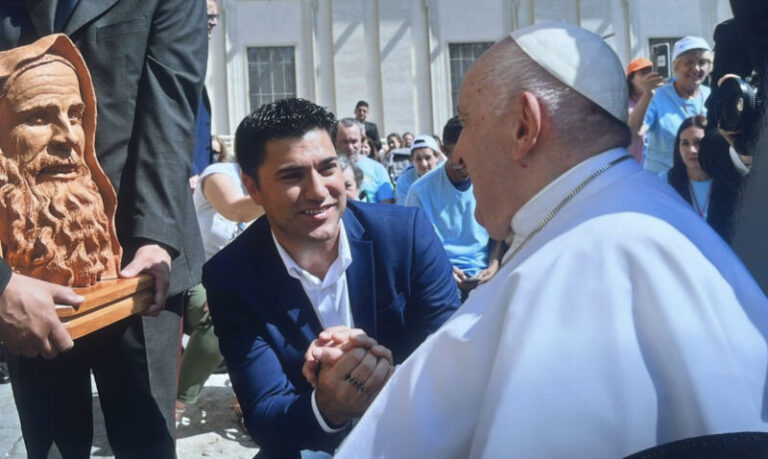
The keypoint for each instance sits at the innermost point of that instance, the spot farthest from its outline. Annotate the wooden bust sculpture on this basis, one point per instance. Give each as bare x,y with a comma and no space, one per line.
57,206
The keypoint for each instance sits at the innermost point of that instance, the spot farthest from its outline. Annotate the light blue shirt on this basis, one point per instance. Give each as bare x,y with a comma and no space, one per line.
452,213
404,183
376,180
700,195
665,114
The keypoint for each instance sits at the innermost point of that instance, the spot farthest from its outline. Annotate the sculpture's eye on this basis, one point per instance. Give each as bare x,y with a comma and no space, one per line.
37,118
76,115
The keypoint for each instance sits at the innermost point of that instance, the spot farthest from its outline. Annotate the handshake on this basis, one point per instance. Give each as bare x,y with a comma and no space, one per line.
347,369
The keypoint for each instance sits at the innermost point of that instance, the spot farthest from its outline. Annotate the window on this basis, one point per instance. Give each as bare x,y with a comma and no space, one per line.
271,74
462,55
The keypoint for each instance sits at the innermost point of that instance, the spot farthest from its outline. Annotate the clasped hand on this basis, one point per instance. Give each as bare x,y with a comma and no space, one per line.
347,368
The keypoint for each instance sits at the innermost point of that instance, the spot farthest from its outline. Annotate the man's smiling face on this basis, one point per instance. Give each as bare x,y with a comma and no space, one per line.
301,187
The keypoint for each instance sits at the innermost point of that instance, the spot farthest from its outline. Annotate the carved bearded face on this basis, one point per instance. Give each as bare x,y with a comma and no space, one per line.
53,222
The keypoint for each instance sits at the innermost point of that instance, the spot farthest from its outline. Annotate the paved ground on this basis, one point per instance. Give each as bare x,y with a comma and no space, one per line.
208,429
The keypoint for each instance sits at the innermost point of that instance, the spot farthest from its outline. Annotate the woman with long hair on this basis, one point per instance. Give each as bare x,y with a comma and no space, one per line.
368,148
711,197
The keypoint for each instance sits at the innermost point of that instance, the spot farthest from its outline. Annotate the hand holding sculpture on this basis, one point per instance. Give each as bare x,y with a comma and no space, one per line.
28,322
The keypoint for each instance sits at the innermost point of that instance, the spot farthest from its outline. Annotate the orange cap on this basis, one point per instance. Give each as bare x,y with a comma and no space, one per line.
638,64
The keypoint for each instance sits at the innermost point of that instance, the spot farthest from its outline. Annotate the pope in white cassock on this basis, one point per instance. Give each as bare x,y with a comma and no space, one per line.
619,320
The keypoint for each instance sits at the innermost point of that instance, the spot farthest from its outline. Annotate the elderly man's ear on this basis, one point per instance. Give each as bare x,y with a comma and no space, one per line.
527,125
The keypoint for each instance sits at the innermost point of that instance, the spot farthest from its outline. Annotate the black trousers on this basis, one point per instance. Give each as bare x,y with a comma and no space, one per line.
135,365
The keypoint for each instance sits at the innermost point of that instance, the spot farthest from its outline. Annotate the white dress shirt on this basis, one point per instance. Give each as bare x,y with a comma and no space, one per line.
329,296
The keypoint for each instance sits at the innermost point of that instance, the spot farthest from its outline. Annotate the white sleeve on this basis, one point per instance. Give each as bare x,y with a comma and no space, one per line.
323,425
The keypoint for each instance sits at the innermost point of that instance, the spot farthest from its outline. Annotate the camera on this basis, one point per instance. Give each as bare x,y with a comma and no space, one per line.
741,49
739,103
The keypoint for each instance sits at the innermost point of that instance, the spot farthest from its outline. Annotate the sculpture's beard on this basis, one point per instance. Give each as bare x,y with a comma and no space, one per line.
54,230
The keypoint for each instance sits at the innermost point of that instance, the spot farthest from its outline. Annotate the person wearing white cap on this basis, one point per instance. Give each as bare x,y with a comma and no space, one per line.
659,113
618,319
425,155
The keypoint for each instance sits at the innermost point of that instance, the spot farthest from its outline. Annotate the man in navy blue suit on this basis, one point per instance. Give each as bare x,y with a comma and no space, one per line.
315,262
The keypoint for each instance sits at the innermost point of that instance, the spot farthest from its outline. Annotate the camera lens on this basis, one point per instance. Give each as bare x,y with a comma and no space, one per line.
737,104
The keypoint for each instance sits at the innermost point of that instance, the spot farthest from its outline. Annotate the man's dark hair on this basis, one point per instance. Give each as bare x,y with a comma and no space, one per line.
452,131
282,119
361,103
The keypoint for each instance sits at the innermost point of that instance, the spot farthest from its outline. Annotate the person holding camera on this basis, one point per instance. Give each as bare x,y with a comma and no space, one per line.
672,103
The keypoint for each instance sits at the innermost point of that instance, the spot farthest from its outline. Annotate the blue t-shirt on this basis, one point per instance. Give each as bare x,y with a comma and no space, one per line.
452,213
665,114
701,196
404,183
375,180
700,193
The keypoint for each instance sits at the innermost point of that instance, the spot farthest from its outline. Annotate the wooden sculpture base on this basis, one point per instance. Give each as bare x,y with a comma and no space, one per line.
107,302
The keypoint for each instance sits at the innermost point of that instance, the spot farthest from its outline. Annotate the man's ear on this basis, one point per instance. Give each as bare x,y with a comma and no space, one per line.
528,127
252,188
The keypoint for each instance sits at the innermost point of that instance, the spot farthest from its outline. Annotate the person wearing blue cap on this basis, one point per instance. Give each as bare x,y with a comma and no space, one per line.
658,114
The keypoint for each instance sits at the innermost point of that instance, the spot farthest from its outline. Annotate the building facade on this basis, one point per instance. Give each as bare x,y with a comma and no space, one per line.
405,57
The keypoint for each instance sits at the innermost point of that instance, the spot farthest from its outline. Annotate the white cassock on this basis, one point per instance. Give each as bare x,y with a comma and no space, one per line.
625,323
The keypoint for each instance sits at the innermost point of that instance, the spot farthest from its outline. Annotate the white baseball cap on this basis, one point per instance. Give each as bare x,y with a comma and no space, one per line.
425,141
580,59
687,44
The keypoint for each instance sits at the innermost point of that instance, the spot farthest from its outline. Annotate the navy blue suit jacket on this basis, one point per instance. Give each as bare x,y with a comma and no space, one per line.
400,287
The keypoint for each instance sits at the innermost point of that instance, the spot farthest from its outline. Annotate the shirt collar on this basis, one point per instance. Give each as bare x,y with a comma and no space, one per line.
533,212
335,271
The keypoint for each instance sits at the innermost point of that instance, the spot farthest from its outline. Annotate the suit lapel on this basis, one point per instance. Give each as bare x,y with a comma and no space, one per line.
41,13
85,12
285,294
360,276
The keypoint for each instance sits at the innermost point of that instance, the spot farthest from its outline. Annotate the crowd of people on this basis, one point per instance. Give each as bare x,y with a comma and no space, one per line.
422,172
557,255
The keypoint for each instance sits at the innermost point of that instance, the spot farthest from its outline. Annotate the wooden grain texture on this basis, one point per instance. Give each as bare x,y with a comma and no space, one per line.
106,303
